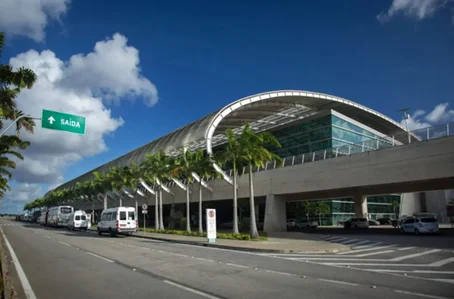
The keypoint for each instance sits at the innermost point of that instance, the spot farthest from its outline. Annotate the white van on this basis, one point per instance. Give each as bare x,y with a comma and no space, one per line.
120,220
79,220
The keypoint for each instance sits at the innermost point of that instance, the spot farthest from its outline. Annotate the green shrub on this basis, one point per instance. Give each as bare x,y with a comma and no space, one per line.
183,223
227,236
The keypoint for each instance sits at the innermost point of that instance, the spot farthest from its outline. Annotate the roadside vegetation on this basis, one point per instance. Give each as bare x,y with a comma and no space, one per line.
11,84
189,169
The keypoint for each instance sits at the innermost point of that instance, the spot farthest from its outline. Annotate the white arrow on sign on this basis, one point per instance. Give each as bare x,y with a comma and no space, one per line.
51,119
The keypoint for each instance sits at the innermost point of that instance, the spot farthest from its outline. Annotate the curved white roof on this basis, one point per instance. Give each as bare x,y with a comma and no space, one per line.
264,111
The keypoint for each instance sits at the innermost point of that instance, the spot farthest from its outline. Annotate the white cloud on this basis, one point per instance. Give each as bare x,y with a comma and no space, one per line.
111,70
417,9
419,119
30,17
14,200
93,76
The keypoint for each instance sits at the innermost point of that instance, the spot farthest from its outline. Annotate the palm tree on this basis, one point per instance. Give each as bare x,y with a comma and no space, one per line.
322,208
158,167
11,82
232,154
203,167
184,167
131,177
117,180
8,144
254,153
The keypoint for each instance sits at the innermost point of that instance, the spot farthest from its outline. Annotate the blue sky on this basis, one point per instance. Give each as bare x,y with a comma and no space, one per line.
202,55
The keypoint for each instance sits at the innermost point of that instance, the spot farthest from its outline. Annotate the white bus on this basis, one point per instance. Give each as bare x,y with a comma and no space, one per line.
58,216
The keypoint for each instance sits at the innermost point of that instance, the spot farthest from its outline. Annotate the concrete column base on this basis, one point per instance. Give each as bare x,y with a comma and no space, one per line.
275,214
360,206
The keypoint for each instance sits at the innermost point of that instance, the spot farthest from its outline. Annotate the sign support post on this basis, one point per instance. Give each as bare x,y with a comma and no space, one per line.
144,212
211,225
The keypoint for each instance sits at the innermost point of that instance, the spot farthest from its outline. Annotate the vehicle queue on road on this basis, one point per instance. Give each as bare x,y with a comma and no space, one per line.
114,221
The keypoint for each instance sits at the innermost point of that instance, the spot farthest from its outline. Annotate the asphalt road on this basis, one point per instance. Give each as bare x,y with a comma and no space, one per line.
83,265
444,240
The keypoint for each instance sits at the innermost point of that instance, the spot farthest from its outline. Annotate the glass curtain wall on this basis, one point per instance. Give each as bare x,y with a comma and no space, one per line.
326,132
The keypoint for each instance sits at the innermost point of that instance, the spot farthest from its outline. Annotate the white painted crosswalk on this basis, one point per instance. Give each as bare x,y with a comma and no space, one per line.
382,257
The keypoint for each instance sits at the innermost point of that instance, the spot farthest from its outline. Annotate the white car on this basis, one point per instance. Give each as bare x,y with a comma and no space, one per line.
422,225
356,223
120,220
77,220
302,224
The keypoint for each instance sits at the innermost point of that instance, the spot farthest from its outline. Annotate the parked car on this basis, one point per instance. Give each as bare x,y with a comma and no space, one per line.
291,224
384,221
305,224
77,220
356,223
423,225
120,220
373,222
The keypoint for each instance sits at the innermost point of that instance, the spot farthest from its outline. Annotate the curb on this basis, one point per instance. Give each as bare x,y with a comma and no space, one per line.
236,248
8,289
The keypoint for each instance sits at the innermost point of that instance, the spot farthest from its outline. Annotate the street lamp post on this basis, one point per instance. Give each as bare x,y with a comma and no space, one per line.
15,121
405,117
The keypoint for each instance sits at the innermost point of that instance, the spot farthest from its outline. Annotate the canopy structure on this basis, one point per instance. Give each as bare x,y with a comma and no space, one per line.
265,111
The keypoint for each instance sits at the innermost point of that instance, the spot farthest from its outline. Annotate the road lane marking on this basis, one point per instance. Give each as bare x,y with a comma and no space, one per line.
442,262
374,253
405,257
412,271
443,280
375,265
203,259
419,294
406,248
281,273
365,249
369,245
101,257
236,265
359,243
336,239
64,243
339,282
302,259
190,290
20,272
349,241
49,237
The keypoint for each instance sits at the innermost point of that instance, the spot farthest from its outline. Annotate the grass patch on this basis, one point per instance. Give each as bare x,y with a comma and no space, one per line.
225,236
2,283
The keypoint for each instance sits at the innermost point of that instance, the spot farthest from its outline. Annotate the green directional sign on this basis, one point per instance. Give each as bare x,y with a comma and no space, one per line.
63,122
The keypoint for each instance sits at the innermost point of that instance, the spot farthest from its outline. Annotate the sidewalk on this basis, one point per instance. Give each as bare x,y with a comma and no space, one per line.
277,243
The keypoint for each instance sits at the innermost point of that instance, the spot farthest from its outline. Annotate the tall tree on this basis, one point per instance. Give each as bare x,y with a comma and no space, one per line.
184,166
159,167
255,153
203,167
232,155
322,209
11,83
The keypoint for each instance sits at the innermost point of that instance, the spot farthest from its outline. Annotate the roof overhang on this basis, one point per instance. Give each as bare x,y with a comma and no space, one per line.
273,109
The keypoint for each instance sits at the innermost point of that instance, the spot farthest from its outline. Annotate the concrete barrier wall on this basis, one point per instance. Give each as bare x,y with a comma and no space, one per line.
398,169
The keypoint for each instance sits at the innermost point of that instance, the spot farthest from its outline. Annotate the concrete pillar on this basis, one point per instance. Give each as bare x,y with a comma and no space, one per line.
275,214
410,203
360,206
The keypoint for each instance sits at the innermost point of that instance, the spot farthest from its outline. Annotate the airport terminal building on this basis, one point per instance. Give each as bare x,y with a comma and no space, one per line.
311,127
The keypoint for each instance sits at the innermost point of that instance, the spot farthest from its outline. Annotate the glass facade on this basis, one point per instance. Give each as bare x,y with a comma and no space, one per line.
333,131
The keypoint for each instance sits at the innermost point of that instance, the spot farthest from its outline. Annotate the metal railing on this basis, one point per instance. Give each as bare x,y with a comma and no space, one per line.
398,139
